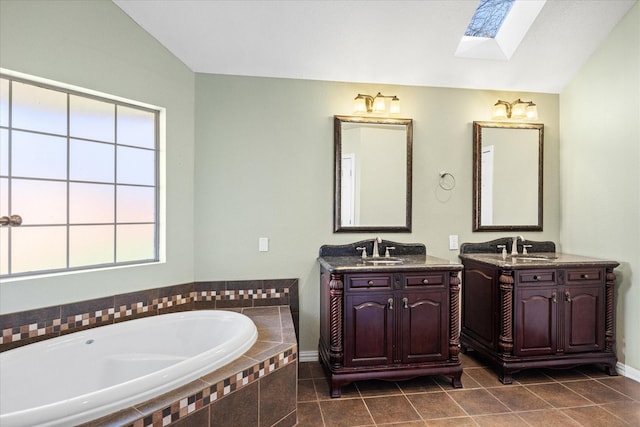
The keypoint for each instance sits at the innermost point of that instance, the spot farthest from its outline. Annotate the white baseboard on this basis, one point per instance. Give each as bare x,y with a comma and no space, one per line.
308,356
628,371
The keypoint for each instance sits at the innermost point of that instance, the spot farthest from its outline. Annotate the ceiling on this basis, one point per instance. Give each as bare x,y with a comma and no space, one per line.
386,42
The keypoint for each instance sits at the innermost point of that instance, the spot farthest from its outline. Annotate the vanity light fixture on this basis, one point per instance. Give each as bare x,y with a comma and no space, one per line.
378,104
517,109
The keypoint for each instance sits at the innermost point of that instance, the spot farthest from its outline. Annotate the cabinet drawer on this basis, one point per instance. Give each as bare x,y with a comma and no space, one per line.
528,277
425,279
584,275
366,281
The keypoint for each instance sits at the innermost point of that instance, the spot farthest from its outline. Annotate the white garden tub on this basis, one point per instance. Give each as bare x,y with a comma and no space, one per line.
85,375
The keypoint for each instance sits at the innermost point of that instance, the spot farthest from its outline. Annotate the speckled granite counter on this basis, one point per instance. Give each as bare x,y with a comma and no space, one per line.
538,260
409,262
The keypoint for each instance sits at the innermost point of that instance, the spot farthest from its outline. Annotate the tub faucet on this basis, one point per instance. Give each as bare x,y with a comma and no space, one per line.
514,245
376,252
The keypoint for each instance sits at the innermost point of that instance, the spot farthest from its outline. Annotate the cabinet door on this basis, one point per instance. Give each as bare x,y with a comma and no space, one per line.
535,321
584,311
368,329
423,330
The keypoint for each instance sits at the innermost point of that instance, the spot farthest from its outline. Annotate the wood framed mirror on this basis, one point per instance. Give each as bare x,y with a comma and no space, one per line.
507,176
373,167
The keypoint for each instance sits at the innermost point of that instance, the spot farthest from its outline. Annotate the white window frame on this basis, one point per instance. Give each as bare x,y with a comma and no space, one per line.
160,176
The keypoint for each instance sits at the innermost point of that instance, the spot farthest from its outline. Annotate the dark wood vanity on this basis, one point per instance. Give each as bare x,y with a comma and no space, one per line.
538,310
387,320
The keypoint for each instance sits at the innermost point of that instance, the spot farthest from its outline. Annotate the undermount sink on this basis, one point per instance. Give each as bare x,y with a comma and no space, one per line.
383,261
534,257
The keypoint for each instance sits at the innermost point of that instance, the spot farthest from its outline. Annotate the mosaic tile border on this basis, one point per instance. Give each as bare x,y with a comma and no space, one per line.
50,322
239,294
209,395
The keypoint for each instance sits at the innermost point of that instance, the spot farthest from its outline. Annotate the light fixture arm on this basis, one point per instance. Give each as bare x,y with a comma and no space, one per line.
509,107
367,104
368,100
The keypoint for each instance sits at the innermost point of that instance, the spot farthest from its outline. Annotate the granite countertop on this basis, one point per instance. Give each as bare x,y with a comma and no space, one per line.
539,260
355,264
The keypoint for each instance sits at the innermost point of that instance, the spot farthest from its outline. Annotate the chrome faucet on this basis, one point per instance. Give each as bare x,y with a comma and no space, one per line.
376,252
514,245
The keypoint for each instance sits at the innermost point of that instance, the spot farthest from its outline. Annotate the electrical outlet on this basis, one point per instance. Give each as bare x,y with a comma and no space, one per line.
453,242
263,244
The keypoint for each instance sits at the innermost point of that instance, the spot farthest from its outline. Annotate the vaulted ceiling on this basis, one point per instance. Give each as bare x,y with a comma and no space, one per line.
385,42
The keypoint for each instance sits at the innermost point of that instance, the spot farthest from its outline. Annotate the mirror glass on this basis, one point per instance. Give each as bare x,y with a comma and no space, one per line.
372,174
507,176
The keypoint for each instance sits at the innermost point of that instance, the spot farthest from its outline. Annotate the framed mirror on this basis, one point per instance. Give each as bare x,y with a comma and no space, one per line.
507,176
373,161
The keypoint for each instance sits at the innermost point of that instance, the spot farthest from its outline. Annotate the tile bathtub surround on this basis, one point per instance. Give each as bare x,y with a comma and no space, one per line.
257,389
583,396
26,327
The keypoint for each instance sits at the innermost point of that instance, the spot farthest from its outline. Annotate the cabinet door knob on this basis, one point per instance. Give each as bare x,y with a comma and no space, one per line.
567,296
370,283
390,301
554,297
535,277
405,300
425,281
585,276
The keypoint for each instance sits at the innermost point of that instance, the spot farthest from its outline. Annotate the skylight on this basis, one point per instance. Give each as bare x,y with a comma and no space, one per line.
488,18
497,28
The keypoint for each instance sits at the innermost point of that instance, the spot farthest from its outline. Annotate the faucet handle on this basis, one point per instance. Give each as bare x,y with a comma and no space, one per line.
504,250
524,249
364,251
386,252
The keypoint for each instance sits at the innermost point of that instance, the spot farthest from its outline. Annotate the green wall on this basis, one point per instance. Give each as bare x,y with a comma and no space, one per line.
599,158
93,44
264,168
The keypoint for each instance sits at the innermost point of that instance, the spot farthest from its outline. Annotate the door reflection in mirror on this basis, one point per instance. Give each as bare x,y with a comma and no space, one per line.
373,177
507,176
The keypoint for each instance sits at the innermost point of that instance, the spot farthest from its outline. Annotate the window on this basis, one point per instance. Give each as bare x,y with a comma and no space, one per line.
488,18
497,28
82,172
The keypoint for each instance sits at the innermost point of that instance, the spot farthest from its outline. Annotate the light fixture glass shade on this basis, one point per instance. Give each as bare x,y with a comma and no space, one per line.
518,110
379,104
395,105
499,111
532,111
359,104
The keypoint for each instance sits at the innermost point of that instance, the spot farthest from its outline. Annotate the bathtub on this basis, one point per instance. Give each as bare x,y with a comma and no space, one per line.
85,375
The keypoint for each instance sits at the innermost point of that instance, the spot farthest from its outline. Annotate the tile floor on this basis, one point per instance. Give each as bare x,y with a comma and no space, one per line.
577,397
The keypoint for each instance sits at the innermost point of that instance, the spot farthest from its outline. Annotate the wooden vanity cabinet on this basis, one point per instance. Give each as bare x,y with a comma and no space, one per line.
392,325
546,314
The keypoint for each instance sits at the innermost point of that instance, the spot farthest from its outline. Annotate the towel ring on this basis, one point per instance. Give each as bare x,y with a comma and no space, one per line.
447,181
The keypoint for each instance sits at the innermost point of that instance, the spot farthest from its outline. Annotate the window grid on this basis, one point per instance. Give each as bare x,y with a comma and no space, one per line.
115,182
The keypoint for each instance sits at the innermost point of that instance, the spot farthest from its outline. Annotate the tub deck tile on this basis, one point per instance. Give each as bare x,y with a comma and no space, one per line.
194,388
277,349
241,364
120,418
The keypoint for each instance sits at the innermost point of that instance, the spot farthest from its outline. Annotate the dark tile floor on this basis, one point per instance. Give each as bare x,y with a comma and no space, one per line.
577,397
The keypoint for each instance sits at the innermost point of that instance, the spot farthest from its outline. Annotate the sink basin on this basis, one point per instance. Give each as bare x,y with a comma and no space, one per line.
383,261
525,259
